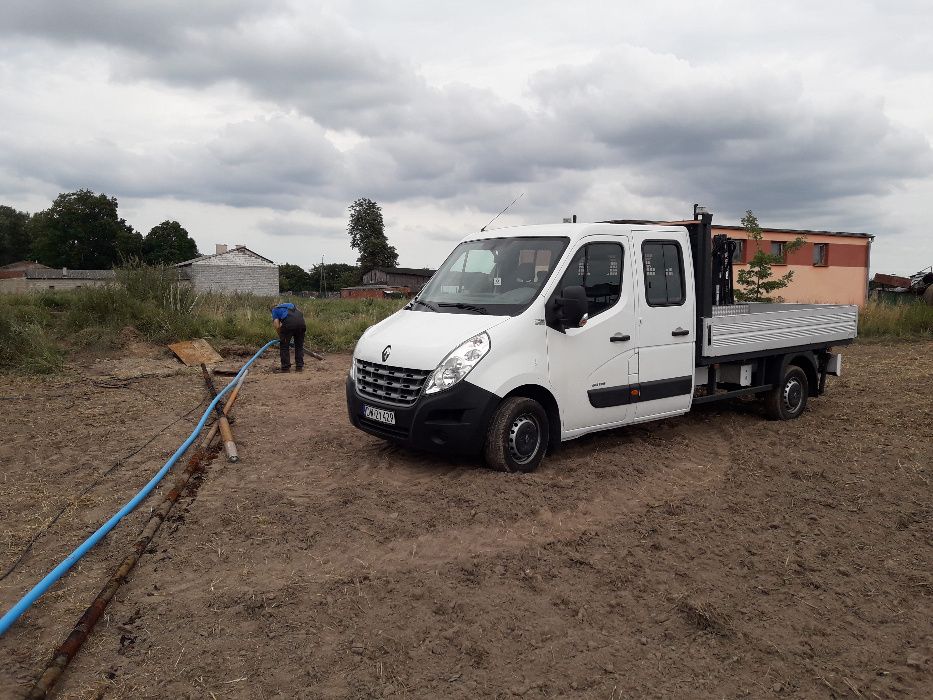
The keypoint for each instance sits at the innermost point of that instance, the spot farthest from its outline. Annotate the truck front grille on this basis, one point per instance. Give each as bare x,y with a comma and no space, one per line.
395,385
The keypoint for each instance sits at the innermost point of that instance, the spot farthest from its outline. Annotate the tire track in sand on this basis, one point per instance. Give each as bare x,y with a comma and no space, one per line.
697,460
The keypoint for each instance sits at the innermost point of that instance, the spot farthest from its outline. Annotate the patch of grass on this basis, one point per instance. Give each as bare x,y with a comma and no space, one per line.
38,329
25,345
906,319
704,616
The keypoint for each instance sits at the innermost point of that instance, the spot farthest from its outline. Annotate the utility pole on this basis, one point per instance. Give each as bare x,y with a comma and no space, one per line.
323,280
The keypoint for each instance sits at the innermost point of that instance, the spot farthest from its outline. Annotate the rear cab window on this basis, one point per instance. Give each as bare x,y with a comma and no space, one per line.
664,273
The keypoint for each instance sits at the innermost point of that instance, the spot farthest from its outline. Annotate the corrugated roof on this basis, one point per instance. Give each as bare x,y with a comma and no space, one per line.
59,274
23,265
891,280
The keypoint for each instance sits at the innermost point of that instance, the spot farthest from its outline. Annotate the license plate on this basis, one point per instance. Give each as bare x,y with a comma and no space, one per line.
379,414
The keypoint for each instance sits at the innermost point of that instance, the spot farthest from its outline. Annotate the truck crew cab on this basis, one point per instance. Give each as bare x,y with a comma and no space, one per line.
533,335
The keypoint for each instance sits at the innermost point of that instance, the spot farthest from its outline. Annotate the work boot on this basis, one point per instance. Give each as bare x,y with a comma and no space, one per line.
300,368
282,369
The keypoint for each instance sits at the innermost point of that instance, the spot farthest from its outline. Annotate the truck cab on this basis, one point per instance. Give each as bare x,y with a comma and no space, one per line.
533,335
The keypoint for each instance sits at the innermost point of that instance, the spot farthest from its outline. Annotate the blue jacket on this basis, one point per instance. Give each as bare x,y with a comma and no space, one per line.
281,311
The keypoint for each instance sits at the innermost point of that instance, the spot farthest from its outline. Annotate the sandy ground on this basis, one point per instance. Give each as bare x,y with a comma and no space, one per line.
714,555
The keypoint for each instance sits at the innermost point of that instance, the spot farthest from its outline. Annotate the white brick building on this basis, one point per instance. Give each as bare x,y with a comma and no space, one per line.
235,270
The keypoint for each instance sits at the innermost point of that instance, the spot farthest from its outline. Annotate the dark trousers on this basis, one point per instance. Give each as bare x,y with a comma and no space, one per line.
285,338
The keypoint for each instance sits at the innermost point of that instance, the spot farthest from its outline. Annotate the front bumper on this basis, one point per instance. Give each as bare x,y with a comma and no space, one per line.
452,421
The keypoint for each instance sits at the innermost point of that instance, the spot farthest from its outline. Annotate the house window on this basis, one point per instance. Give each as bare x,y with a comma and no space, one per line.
777,250
738,255
820,254
664,273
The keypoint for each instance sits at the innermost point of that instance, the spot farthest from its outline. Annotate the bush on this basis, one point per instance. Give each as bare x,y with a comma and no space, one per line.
905,319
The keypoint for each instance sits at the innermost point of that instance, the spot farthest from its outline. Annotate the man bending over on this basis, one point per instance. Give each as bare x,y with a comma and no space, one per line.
290,324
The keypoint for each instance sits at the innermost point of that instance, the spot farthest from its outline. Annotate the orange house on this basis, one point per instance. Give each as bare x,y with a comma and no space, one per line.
830,268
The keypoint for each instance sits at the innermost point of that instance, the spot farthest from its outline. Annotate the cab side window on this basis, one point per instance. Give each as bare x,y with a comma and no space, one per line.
664,273
597,267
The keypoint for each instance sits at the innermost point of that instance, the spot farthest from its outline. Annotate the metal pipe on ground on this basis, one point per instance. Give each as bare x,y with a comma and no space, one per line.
86,623
226,434
215,426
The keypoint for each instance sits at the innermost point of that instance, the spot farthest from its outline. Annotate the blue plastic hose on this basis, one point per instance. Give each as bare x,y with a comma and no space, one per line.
27,600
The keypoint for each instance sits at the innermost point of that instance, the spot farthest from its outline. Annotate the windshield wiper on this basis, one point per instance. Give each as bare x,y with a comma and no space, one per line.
466,307
425,303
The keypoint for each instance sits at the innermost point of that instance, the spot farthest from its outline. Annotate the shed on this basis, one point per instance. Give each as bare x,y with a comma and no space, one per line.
234,270
40,277
374,291
409,277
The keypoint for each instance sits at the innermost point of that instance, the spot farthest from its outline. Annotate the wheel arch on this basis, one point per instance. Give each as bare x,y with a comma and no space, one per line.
547,400
804,360
808,363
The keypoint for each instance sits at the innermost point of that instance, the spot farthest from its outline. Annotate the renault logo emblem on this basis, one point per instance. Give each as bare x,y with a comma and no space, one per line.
386,352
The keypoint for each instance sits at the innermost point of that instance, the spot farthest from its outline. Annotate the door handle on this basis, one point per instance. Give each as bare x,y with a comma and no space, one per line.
680,331
619,338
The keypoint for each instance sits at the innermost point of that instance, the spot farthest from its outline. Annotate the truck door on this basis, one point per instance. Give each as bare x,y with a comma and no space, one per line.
666,322
589,366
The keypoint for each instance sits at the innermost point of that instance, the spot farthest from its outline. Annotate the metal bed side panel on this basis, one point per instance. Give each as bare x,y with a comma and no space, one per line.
786,327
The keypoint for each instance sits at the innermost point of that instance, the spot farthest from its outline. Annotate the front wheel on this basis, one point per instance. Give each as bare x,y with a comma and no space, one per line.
517,437
788,398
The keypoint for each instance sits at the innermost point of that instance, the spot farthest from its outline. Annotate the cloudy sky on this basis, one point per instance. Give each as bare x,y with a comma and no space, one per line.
258,122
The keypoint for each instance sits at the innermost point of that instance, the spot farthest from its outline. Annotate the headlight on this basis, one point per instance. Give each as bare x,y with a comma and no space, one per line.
458,364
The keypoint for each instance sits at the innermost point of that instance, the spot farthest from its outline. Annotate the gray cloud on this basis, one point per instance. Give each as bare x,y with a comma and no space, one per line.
754,143
292,228
276,162
143,25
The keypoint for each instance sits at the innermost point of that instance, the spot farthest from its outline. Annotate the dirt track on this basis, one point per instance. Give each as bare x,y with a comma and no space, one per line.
715,555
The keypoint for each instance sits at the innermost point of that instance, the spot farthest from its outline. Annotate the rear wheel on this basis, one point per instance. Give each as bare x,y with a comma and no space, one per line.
788,399
517,437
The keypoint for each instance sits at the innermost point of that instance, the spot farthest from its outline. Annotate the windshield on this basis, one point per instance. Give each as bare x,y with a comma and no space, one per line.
498,276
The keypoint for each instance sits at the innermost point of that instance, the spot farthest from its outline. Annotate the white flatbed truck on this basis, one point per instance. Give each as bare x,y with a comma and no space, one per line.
533,335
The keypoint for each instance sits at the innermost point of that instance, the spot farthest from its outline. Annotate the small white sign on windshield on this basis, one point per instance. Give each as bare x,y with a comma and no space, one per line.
497,281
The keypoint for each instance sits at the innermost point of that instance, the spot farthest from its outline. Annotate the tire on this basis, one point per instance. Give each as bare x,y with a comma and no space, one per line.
517,437
788,399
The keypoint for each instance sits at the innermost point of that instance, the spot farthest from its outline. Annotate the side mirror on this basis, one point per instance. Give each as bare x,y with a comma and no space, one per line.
568,309
574,305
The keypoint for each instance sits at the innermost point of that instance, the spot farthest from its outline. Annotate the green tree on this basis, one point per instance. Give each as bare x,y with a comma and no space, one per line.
336,276
756,278
293,278
368,236
82,230
168,243
15,242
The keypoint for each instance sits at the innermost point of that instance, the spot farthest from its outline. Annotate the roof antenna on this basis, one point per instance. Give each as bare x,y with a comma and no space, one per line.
502,212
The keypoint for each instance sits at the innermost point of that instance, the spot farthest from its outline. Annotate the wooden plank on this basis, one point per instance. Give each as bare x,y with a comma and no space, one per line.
195,352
